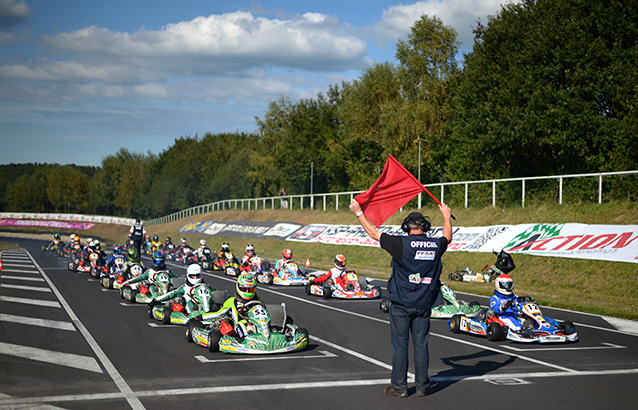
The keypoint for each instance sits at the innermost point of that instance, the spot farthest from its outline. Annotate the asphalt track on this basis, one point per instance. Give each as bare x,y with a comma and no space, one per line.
65,342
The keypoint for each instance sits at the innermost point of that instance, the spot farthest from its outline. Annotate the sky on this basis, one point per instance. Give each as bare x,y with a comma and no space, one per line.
80,79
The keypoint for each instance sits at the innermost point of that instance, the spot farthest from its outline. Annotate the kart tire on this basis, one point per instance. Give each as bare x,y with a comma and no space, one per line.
110,281
568,327
495,332
474,303
456,276
455,324
377,288
270,279
384,305
308,289
327,292
305,332
167,315
149,310
213,340
189,329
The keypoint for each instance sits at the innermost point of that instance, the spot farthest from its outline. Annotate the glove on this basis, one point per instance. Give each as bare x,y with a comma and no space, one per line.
507,304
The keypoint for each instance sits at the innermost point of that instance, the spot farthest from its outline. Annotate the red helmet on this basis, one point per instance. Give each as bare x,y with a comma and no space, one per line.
287,254
504,284
340,261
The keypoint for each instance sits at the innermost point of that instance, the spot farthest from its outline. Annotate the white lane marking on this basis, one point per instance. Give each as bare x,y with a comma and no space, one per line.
19,271
457,340
53,324
19,265
22,278
323,355
629,326
21,287
151,324
36,302
50,356
129,304
296,386
544,349
117,378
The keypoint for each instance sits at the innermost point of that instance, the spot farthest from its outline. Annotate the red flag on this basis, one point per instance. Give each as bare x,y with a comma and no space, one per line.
395,188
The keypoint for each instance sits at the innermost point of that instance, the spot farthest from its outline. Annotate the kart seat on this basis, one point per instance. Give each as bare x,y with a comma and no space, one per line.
277,315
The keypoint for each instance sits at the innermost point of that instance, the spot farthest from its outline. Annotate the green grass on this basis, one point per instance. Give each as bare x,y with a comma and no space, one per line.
600,287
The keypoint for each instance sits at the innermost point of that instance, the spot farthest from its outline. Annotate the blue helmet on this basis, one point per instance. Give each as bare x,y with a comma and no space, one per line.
158,260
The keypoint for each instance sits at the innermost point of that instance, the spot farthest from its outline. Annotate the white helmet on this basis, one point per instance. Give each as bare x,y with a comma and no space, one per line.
194,274
250,249
202,243
504,284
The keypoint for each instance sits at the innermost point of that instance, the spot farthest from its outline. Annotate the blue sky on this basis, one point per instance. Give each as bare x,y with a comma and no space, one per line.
79,79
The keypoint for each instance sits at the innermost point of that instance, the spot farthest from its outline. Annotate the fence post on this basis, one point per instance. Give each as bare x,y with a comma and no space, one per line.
560,190
493,194
523,194
324,202
600,189
336,202
466,194
442,198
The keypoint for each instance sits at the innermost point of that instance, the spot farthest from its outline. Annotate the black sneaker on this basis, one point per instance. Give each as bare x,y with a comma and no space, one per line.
391,392
427,392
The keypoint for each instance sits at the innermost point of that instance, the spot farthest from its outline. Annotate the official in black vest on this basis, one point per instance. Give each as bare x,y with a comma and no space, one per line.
137,233
413,289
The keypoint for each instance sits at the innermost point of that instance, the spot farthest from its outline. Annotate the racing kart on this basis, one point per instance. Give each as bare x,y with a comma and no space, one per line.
486,274
348,285
522,321
147,290
206,259
228,263
97,266
289,275
451,305
257,265
53,246
115,277
78,264
264,329
173,312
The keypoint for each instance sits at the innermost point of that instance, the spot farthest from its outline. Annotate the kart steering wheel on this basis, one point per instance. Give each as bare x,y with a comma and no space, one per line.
248,306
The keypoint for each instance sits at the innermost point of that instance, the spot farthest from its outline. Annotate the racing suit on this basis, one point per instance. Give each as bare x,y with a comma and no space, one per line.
231,308
184,291
498,300
334,274
279,266
156,246
149,276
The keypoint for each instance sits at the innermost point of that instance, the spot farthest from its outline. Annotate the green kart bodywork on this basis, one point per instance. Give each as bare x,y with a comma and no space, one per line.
205,300
268,331
161,285
452,306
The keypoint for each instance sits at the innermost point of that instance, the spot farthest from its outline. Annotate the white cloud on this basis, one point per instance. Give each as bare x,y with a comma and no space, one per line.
13,12
460,14
225,42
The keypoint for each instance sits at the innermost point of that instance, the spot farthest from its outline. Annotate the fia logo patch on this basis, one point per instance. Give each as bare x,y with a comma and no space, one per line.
424,255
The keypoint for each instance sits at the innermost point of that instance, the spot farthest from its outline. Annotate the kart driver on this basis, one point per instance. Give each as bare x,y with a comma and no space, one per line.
247,261
156,245
184,292
223,251
279,265
333,274
504,263
159,265
245,291
199,252
503,294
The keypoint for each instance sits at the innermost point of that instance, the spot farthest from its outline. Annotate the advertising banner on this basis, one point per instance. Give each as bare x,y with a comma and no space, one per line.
69,217
47,224
244,229
601,242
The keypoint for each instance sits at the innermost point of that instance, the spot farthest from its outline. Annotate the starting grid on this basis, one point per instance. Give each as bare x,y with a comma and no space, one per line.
21,262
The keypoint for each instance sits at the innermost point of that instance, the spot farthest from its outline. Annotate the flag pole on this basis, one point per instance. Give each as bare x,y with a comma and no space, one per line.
437,201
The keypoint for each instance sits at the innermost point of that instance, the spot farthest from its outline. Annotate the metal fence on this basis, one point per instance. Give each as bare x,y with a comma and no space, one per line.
479,193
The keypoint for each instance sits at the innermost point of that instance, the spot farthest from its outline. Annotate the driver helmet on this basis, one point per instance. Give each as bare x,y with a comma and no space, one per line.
183,241
202,243
89,242
158,260
504,284
96,244
168,239
194,274
250,249
56,236
340,262
225,247
117,249
246,286
72,237
133,255
287,254
155,238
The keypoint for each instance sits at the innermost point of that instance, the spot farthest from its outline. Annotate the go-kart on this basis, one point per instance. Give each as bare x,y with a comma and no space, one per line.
115,277
228,263
256,265
451,305
173,312
522,321
206,259
289,275
486,274
262,330
53,246
348,285
147,290
97,265
78,264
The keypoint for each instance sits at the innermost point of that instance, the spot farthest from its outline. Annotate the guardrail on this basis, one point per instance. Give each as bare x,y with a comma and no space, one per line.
292,201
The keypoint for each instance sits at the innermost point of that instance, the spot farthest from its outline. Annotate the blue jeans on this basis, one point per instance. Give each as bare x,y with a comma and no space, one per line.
402,321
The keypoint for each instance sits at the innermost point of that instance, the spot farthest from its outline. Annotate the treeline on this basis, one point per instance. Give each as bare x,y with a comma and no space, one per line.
550,87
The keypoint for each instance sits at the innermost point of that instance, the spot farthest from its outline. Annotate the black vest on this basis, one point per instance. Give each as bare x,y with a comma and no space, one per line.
138,232
415,282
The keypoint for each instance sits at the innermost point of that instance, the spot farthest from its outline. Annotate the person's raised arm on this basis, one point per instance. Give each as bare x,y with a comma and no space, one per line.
370,229
446,212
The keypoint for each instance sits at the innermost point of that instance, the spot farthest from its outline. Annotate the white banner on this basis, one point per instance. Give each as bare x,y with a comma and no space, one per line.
69,217
602,242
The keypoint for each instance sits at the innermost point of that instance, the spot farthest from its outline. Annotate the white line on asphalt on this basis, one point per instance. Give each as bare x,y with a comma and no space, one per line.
20,271
37,302
121,384
50,356
21,287
24,320
544,349
323,354
22,278
129,304
296,386
151,324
